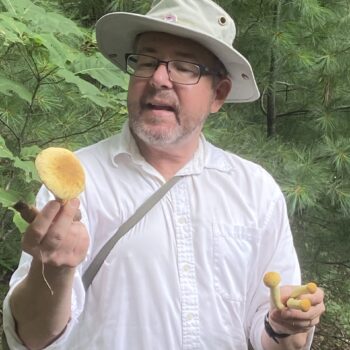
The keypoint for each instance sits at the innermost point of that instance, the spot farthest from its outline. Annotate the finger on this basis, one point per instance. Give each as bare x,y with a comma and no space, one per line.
315,298
296,316
293,325
74,248
61,226
77,216
37,230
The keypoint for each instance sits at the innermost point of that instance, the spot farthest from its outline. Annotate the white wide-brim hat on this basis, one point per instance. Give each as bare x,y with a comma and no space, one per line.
200,20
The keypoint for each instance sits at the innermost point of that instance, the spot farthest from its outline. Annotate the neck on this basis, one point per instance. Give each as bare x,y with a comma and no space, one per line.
168,159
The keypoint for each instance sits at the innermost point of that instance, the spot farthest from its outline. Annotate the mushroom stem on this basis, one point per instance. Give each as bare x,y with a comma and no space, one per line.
299,304
309,288
27,212
272,280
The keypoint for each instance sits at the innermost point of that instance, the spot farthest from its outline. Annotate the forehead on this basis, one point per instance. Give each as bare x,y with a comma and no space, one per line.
172,46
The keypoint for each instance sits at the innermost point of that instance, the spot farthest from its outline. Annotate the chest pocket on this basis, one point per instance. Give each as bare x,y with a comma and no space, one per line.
235,253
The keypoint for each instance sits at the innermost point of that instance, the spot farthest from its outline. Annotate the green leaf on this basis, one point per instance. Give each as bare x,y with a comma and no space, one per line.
88,90
58,51
23,8
99,68
30,152
28,167
20,223
56,23
4,151
10,29
8,198
8,87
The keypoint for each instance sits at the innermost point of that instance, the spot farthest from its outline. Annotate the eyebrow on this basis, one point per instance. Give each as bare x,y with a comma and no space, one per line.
185,55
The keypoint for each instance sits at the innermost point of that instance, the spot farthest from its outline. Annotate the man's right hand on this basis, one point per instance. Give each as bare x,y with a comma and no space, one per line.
58,242
55,237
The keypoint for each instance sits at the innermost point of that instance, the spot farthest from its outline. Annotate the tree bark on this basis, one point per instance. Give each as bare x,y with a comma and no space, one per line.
271,92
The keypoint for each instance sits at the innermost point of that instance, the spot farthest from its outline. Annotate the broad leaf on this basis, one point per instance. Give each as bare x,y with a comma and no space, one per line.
88,90
99,68
4,151
20,223
10,29
8,87
8,198
58,51
56,23
30,152
28,167
23,8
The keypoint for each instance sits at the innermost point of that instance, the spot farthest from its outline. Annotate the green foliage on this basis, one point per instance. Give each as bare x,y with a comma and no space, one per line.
89,11
53,90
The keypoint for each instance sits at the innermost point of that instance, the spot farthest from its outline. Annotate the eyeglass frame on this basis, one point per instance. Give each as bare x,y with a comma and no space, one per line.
203,70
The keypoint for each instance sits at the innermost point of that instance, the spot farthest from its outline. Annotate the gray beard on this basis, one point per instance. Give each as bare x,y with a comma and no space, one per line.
165,138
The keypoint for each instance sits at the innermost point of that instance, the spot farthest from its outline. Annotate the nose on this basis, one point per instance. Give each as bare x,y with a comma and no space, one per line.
160,77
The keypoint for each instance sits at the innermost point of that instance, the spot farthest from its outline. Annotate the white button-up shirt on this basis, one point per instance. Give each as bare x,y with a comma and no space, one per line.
189,274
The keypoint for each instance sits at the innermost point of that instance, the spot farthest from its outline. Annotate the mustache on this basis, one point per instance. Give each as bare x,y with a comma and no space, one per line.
162,95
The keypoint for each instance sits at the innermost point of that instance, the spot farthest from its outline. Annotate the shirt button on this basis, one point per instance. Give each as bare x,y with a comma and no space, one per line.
189,317
186,268
182,220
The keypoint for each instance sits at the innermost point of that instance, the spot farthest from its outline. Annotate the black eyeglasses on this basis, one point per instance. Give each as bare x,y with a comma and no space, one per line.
180,72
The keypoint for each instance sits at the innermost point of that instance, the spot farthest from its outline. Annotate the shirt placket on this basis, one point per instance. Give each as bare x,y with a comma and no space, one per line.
186,267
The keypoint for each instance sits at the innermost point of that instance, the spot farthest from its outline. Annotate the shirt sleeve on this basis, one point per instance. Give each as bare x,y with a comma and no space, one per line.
78,295
277,254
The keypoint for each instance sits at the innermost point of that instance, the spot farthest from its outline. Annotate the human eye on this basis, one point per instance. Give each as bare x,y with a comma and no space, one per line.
185,67
145,62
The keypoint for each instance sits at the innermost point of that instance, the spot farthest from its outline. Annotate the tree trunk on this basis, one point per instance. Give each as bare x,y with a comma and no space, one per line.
271,92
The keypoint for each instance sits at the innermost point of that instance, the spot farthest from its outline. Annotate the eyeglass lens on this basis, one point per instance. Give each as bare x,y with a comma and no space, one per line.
179,71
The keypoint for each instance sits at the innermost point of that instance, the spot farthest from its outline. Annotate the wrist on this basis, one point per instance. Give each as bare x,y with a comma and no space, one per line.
271,332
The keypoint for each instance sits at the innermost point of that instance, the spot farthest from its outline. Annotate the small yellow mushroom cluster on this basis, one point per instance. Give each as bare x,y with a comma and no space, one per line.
272,281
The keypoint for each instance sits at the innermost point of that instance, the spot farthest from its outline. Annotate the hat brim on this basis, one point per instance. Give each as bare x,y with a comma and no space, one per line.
116,33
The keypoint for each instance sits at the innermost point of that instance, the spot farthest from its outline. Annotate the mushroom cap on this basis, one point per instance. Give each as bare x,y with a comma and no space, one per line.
61,172
305,304
272,279
311,287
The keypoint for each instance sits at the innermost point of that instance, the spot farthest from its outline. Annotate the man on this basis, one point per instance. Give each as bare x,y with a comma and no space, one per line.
189,274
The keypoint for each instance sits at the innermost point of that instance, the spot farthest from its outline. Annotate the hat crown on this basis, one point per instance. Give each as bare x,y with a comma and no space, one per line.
202,16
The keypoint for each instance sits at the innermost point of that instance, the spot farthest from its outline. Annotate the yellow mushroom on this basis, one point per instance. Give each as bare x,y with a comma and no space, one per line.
61,172
299,304
272,281
309,288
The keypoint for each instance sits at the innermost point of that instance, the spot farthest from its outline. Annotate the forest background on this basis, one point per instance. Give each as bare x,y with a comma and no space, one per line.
57,90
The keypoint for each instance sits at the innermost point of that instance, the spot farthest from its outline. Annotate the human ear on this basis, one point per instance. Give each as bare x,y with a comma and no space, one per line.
221,90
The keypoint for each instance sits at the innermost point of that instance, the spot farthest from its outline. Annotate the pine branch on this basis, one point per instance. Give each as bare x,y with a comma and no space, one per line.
345,263
7,51
299,112
8,127
81,132
342,108
53,82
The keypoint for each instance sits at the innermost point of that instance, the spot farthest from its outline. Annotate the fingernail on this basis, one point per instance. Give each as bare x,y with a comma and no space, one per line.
74,203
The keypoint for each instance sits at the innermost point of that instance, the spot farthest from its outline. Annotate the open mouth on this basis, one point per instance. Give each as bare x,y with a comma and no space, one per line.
160,107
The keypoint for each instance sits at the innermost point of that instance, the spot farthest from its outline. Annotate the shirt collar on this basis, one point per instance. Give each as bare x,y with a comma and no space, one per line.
206,156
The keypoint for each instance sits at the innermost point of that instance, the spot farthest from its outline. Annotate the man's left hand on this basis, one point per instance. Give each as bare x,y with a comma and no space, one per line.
294,321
